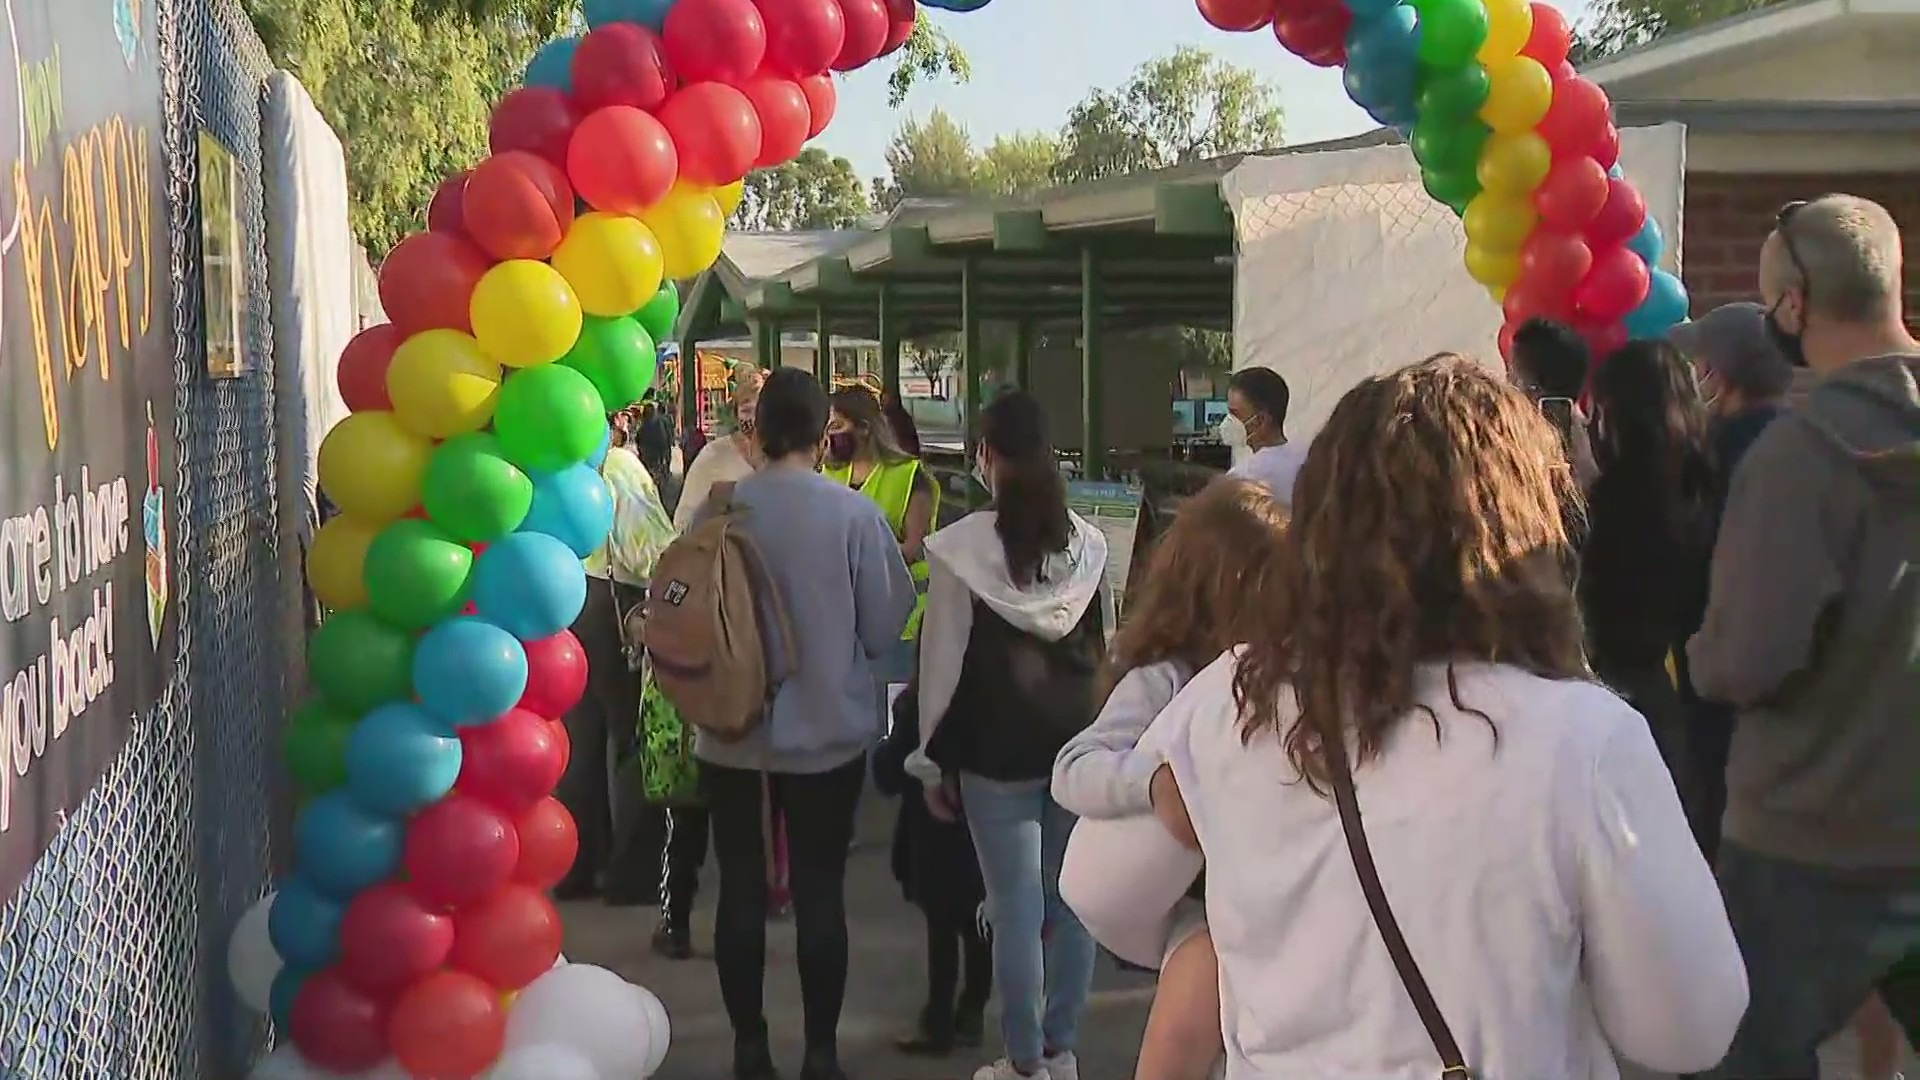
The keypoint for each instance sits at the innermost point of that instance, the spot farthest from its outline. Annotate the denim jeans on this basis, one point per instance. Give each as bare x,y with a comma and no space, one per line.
1042,956
1816,944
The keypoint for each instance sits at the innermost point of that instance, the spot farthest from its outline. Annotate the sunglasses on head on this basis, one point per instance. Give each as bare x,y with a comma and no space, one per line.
1782,226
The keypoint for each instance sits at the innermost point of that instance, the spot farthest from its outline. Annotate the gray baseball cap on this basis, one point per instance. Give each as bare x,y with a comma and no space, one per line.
1732,342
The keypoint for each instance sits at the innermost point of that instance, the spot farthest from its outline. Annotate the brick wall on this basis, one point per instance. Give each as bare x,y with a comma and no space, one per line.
1729,215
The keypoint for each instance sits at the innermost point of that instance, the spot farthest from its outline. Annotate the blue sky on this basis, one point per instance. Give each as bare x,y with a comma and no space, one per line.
1034,59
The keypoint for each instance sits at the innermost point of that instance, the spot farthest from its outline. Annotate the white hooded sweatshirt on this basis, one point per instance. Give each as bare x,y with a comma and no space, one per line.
968,562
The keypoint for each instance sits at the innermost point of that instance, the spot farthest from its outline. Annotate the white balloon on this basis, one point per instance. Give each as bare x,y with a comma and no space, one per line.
284,1064
251,961
589,1010
543,1063
559,959
660,1031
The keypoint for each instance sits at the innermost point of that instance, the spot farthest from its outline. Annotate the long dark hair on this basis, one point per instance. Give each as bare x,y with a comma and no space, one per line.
1652,433
1029,498
861,409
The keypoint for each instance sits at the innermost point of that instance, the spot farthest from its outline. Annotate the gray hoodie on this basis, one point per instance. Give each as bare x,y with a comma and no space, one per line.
1813,626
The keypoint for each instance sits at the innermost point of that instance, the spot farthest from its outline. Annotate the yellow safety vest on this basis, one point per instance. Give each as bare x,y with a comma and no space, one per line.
890,486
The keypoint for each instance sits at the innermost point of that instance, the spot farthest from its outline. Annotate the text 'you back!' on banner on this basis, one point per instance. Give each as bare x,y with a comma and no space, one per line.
87,453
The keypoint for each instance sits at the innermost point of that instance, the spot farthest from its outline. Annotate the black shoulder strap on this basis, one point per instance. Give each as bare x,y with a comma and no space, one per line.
1453,1063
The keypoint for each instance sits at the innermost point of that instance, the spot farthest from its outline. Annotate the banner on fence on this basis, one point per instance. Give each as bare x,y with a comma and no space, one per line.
87,452
1114,509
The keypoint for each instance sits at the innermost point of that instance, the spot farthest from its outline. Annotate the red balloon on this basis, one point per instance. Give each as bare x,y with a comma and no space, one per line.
518,206
900,19
1573,192
1602,340
1615,286
336,1026
558,730
821,101
714,130
362,373
1551,38
1553,261
1504,341
1237,16
448,1026
1606,147
556,675
803,36
1620,217
867,24
387,940
1580,111
715,40
1535,300
511,763
445,213
537,119
509,939
459,850
427,280
549,841
784,120
621,159
621,63
1318,37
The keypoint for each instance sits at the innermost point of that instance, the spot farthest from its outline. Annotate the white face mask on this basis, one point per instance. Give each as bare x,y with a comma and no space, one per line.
982,474
1233,432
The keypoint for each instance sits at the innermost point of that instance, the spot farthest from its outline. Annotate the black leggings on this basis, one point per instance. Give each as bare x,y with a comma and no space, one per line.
959,961
819,809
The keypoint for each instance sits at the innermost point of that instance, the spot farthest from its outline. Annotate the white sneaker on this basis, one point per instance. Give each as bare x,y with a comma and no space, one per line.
1062,1066
1004,1070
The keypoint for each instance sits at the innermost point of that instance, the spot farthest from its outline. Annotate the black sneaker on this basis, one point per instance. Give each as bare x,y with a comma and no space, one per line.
821,1067
672,940
930,1037
753,1058
969,1027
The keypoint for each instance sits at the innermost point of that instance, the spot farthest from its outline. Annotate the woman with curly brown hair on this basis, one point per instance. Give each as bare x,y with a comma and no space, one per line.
1524,879
1212,573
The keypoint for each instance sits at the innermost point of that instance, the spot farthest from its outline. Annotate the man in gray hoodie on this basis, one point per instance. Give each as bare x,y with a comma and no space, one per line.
1812,632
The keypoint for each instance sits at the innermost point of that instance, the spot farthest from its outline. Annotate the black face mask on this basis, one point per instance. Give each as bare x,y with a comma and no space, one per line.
841,447
1790,345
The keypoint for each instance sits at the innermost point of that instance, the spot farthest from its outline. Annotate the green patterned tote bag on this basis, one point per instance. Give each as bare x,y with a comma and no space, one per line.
671,775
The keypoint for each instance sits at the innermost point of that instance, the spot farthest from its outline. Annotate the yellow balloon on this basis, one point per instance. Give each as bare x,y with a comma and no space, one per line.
370,466
524,313
1518,93
613,263
1492,268
1509,24
442,385
1498,292
1513,164
1499,222
334,560
729,195
688,223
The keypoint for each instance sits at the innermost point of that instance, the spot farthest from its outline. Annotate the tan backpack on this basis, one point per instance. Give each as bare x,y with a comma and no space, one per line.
703,625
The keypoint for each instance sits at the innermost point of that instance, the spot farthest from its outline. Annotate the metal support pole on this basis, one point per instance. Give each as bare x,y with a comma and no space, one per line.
889,343
823,347
972,356
1023,354
689,386
1093,450
766,344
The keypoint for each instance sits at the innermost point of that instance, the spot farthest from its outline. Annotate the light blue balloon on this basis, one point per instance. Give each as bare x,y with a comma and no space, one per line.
1665,306
648,13
552,65
574,506
399,759
1368,10
1613,171
286,987
304,926
1648,243
469,671
341,849
599,455
1386,39
529,584
954,5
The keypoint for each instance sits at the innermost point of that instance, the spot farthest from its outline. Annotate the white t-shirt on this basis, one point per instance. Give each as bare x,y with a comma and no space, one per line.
1276,467
1548,886
719,462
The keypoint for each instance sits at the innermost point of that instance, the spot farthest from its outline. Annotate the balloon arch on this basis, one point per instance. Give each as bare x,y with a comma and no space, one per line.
415,937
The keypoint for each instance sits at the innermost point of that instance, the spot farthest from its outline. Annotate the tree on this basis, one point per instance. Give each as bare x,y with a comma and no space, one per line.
931,157
1018,164
1186,106
813,191
928,54
1621,24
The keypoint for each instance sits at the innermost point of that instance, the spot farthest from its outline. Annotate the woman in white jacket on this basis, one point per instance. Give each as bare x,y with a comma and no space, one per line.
1016,621
1526,836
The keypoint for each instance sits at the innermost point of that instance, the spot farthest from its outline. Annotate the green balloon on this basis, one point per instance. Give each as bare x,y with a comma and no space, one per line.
658,315
1443,145
315,747
1454,95
416,574
1451,32
616,355
1453,188
548,417
359,662
471,490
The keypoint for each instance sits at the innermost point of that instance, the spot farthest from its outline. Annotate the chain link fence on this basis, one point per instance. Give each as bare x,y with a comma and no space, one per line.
112,954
